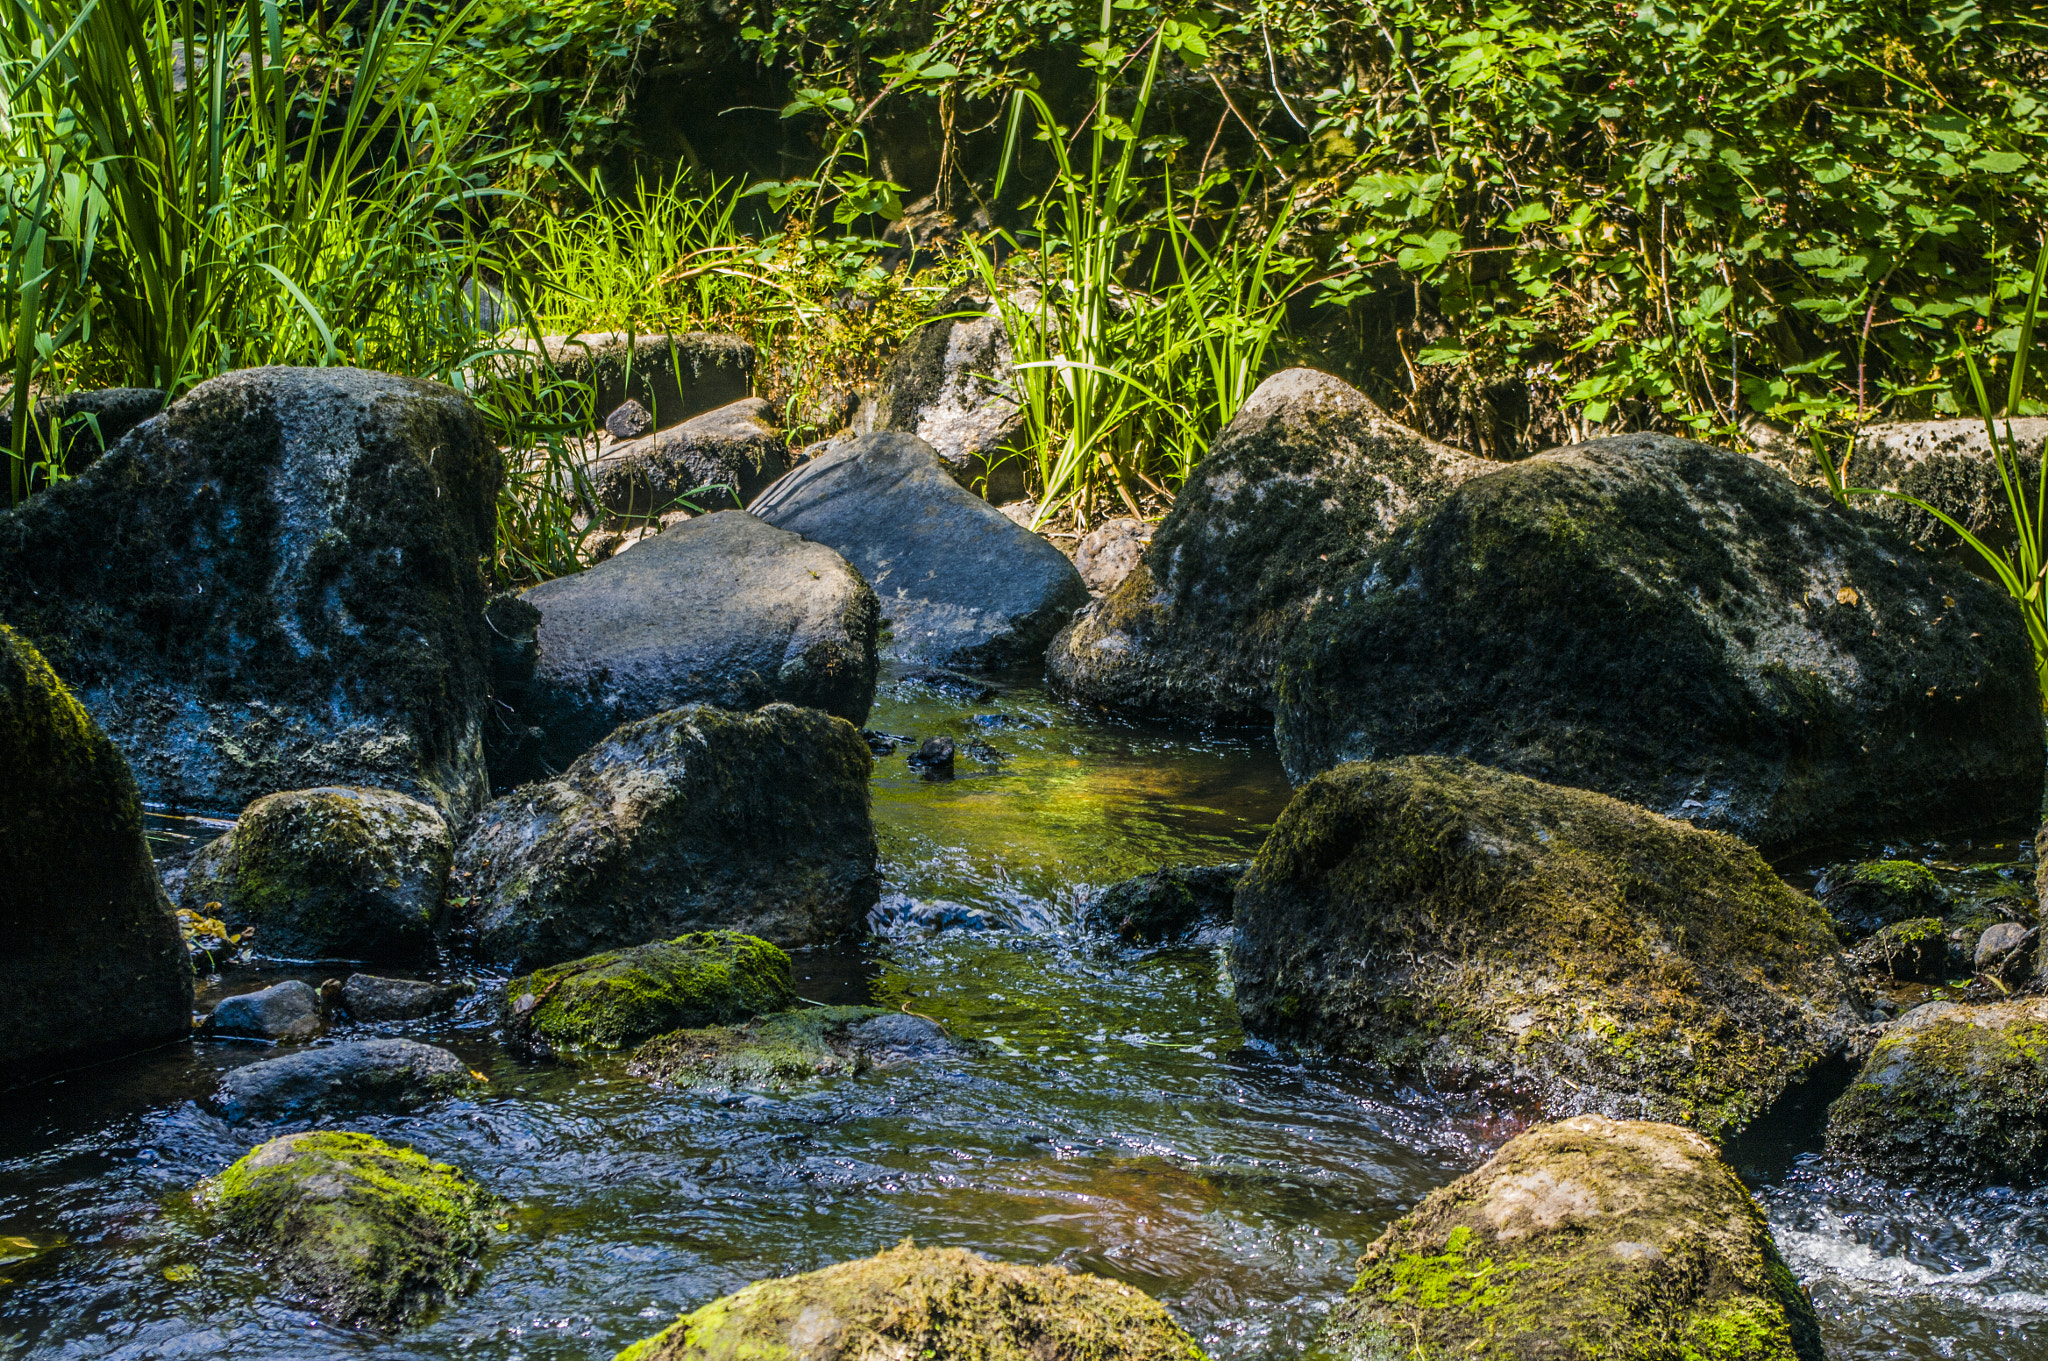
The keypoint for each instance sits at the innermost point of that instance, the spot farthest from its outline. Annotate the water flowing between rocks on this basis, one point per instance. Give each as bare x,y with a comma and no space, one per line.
1114,1119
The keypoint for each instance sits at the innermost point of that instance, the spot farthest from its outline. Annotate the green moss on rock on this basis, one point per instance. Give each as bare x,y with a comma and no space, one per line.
1865,898
622,997
1439,918
1952,1095
368,1232
1587,1238
1914,951
775,1052
926,1302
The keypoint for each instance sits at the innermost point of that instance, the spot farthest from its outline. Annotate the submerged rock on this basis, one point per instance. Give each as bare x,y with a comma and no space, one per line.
779,1051
620,998
1173,902
371,999
275,585
1590,1237
1867,897
1684,628
1947,464
1952,1095
718,610
951,385
329,874
960,584
734,448
1307,477
1438,918
367,1232
283,1011
927,1302
353,1077
691,820
94,964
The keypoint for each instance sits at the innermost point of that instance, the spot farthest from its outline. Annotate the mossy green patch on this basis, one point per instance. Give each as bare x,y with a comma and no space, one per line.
370,1232
770,1052
622,997
926,1302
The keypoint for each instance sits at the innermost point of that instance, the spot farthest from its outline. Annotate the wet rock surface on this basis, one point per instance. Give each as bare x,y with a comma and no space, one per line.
721,609
93,964
289,1011
773,1052
1952,1095
1173,903
335,873
1303,482
368,1232
373,1000
1915,951
960,584
734,449
1865,898
1589,1237
1684,628
940,1302
351,1077
1443,919
694,819
951,385
274,585
619,998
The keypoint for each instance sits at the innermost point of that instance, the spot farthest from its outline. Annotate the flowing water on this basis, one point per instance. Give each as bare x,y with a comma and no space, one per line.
1113,1118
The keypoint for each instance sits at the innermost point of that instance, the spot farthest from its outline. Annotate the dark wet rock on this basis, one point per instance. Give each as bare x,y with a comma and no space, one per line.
87,423
94,964
1948,465
694,819
1684,628
1173,902
1439,918
733,449
1867,897
959,583
368,1232
1110,552
1952,1095
951,385
329,874
883,743
629,420
718,610
986,754
371,1000
946,685
1915,951
927,1302
934,753
622,997
1304,481
354,1077
274,585
2005,954
775,1052
289,1011
1589,1237
674,377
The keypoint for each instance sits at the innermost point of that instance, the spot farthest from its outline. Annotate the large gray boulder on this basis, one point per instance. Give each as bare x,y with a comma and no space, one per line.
91,963
734,447
951,385
1683,628
674,377
274,585
1947,464
337,873
960,583
1441,919
721,609
692,820
1304,481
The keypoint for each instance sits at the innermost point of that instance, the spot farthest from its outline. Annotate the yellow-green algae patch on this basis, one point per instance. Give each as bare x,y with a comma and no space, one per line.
913,1302
622,997
1587,1238
369,1232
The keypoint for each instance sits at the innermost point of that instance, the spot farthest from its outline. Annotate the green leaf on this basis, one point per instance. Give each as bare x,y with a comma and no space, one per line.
1528,213
2000,162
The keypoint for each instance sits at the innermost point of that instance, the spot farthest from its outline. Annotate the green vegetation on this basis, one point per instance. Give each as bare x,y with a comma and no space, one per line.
625,996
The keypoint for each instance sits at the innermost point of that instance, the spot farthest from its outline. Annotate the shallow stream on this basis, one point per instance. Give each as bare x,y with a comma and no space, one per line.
1115,1119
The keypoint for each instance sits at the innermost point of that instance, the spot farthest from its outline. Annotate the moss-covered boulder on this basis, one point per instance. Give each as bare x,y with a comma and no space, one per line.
1586,1238
1952,1095
1303,482
774,1052
338,873
1172,903
1865,898
690,820
1439,918
367,1232
91,960
622,997
1684,628
926,1302
275,585
1914,951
